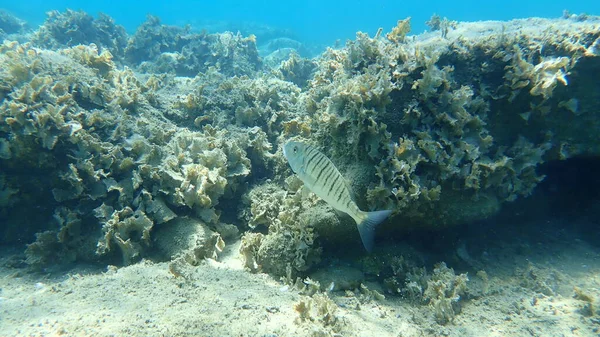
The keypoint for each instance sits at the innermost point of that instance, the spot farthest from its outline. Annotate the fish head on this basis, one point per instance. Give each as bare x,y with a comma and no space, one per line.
294,153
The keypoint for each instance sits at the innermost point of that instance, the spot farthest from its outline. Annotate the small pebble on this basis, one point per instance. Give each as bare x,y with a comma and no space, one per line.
272,309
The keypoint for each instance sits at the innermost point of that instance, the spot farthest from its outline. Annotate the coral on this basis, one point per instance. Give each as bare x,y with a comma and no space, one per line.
318,308
161,48
593,49
174,123
8,197
246,102
338,278
264,203
281,43
89,56
541,281
297,70
188,239
288,248
64,245
542,77
444,291
127,229
436,23
152,39
196,170
10,24
20,64
37,116
399,32
431,126
249,250
73,125
45,250
400,271
72,28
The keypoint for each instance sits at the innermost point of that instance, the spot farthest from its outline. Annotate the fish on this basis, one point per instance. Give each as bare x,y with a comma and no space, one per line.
320,175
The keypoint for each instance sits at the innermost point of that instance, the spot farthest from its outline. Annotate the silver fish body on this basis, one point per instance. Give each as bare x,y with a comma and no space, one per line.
321,176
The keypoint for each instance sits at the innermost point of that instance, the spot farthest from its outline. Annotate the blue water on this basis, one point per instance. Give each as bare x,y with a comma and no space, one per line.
312,21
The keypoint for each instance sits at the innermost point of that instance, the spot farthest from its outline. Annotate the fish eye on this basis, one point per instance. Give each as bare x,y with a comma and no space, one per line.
295,149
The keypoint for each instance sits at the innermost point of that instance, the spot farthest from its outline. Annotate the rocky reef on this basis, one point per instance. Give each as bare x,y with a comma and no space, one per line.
112,146
10,25
89,139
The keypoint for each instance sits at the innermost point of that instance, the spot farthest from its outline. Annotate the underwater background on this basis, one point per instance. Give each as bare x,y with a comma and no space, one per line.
313,22
151,182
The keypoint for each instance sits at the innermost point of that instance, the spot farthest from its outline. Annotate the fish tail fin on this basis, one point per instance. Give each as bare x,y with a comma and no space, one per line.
367,226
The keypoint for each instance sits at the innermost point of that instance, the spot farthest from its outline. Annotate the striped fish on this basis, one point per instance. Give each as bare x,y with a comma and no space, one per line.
322,177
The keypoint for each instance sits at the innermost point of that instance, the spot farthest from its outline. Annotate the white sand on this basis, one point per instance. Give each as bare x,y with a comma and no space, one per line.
221,299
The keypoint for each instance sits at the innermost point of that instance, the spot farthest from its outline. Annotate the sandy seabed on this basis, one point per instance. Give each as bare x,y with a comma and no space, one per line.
543,288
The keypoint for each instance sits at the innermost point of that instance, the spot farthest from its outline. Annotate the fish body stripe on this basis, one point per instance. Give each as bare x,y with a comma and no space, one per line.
311,156
310,152
321,176
331,172
314,162
335,180
320,172
322,160
340,192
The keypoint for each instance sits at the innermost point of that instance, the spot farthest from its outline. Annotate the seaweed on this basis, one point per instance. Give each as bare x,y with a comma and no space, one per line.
172,122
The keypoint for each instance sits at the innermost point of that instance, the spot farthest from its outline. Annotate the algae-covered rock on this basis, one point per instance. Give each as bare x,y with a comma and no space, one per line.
297,70
66,244
444,291
71,28
264,202
289,246
189,239
337,278
10,24
72,123
444,135
110,139
322,310
129,231
164,48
